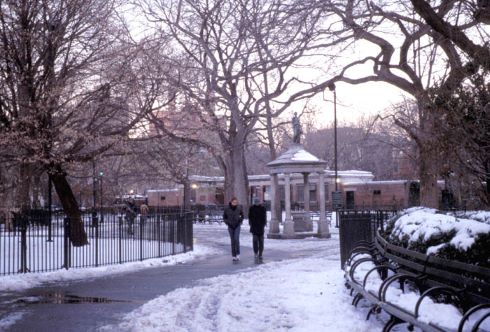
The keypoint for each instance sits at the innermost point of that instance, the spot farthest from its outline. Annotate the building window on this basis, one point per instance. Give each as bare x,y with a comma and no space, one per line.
377,192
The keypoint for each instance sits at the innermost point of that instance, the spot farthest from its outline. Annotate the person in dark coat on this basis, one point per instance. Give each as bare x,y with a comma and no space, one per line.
233,218
257,218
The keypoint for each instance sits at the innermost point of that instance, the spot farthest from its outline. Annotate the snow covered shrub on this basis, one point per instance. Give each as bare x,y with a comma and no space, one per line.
430,232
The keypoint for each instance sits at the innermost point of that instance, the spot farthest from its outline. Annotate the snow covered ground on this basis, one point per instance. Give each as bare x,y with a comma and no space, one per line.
301,294
304,294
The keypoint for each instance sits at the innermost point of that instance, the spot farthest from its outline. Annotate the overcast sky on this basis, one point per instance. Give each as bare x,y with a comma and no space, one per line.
354,101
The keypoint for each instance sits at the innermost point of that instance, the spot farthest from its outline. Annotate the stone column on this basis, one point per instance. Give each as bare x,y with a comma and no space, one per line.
288,223
273,223
309,225
323,230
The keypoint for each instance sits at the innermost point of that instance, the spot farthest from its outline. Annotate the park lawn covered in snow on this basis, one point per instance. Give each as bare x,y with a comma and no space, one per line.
295,295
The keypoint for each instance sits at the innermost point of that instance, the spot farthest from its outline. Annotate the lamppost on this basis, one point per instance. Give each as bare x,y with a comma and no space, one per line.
194,187
101,174
331,87
201,214
50,207
337,196
94,193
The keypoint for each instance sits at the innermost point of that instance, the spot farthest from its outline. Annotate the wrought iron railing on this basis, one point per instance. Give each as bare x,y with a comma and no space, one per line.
38,242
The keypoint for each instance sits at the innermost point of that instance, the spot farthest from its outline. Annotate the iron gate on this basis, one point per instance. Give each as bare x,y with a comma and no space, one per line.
358,226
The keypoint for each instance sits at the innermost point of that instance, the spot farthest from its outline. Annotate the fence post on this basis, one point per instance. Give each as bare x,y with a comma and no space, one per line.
66,246
50,208
181,230
184,231
120,238
141,239
159,237
96,241
23,243
173,228
191,232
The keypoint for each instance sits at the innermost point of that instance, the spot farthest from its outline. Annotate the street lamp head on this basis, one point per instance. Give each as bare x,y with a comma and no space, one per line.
331,86
194,186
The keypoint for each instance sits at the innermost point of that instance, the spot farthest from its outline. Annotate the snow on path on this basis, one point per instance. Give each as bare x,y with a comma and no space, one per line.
218,235
294,295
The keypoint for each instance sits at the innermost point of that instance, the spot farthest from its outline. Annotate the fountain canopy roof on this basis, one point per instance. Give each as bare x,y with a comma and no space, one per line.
297,160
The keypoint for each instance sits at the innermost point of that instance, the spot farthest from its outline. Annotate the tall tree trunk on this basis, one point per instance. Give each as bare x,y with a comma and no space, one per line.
77,235
429,158
225,165
429,193
487,180
239,168
36,188
23,187
187,194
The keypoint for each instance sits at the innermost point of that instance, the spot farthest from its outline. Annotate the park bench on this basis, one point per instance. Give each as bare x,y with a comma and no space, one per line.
420,277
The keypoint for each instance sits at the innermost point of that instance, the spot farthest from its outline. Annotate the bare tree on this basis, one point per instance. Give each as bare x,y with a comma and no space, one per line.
236,61
465,136
67,84
411,57
457,29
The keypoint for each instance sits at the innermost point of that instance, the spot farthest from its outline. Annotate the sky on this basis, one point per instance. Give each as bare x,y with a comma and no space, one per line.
353,101
356,101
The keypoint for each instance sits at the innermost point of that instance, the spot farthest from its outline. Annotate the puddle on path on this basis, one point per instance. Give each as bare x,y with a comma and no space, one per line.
58,297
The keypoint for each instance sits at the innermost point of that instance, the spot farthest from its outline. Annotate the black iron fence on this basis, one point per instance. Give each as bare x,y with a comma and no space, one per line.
356,226
38,241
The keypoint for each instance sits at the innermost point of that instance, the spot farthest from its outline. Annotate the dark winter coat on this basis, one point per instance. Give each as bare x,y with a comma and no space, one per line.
257,219
233,216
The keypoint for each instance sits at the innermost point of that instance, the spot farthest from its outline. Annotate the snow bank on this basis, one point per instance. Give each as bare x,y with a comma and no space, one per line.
295,295
423,225
24,281
10,320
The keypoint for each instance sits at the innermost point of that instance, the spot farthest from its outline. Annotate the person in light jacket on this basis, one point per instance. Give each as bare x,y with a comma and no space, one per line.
233,218
257,218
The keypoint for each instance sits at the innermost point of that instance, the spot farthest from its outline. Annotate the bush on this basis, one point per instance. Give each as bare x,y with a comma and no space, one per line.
430,232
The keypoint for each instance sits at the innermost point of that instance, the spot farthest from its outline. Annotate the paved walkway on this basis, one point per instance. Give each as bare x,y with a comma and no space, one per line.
129,290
